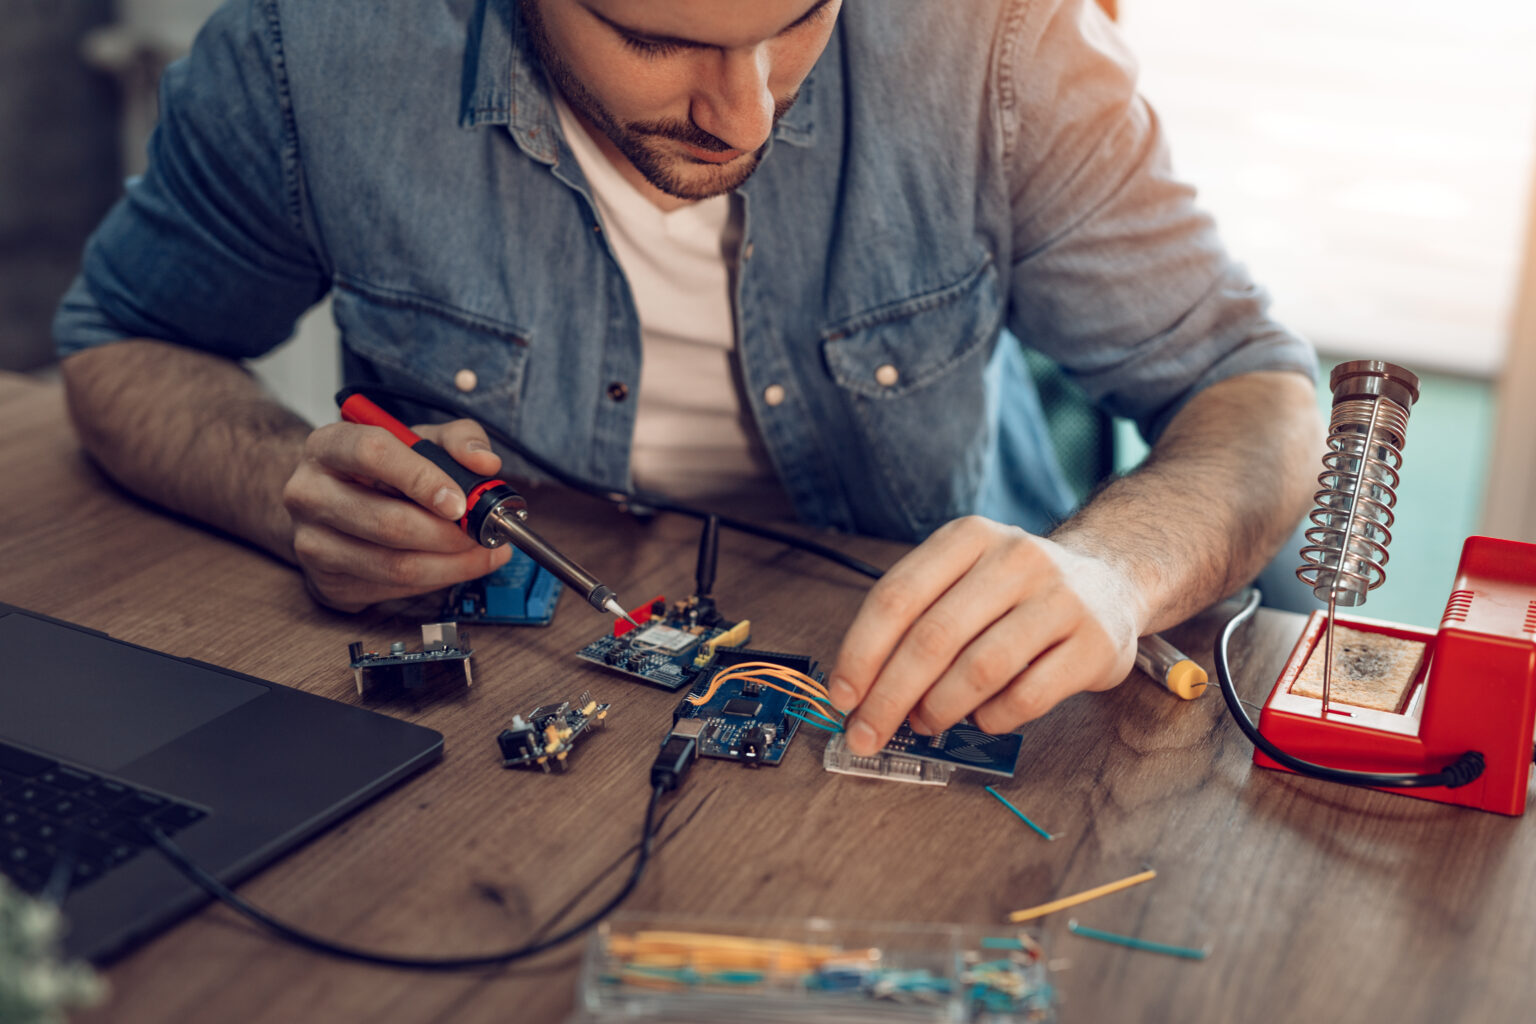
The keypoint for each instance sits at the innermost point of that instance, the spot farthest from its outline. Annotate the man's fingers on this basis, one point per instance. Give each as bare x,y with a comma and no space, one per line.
373,453
1055,675
991,662
344,505
976,635
465,440
348,573
894,603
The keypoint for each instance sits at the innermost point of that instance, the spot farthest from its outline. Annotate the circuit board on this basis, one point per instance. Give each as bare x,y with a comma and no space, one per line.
929,760
545,737
963,746
441,665
520,593
745,721
670,645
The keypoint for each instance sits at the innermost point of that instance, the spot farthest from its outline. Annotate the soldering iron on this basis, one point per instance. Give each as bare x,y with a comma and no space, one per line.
494,512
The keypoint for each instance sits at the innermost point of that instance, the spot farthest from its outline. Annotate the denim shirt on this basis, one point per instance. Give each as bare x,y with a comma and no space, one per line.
955,179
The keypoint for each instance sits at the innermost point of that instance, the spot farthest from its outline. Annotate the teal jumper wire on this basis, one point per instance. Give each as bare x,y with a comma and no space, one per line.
1004,801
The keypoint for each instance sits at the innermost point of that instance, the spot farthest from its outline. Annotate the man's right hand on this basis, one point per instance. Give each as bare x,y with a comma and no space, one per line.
374,521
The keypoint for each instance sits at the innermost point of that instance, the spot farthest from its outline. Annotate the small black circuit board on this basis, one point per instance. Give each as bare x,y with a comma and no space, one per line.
545,737
441,665
963,746
745,721
670,645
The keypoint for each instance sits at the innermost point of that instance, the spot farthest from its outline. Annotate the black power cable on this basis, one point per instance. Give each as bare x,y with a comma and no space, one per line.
1458,773
630,499
316,944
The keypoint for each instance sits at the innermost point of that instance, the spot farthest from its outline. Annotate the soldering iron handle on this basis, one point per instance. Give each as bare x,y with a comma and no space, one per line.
358,409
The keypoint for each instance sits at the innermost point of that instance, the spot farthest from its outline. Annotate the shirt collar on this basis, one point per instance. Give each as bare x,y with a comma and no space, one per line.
503,84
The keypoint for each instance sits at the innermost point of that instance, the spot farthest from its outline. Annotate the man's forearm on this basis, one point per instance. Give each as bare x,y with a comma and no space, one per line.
190,431
1221,491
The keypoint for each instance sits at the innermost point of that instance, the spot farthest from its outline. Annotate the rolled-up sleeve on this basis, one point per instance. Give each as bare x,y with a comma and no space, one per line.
1117,275
211,247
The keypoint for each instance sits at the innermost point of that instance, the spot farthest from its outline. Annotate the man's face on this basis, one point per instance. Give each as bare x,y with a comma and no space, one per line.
687,91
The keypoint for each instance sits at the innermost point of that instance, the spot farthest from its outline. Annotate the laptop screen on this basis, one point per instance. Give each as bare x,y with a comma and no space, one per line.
100,703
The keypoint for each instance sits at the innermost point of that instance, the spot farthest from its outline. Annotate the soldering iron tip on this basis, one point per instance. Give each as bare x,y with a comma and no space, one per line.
617,609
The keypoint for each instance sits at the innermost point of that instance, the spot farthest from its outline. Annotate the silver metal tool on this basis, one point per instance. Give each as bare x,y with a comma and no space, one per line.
1345,556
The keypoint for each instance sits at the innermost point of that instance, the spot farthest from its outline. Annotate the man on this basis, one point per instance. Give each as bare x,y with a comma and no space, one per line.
814,216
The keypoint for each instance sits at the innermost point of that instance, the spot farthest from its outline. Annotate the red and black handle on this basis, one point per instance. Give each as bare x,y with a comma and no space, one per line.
482,494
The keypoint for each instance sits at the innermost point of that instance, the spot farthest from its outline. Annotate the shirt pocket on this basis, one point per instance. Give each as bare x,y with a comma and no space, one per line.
912,373
403,339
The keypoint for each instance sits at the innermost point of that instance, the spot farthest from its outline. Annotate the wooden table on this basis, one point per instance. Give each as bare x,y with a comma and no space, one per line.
1319,902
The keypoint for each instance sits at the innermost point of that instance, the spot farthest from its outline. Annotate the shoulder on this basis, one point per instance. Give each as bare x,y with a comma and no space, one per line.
919,37
325,40
1002,55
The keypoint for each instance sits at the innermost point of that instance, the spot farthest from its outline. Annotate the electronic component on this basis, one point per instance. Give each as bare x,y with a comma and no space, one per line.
754,730
883,765
544,738
442,665
928,760
670,645
520,593
742,706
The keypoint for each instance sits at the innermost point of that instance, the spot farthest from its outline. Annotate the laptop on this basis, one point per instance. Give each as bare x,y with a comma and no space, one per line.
98,736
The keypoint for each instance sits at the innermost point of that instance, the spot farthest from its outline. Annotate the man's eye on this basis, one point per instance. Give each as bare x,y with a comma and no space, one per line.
646,48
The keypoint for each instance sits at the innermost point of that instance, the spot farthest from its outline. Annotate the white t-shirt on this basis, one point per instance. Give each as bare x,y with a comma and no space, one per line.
694,439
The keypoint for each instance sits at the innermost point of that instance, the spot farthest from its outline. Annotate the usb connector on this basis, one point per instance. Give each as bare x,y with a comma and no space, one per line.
678,752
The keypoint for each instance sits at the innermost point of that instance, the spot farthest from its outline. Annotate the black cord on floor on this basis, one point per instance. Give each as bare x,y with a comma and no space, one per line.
316,944
1460,772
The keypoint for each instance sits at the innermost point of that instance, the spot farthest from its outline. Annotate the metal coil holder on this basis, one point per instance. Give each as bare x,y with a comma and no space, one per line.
1345,557
1346,553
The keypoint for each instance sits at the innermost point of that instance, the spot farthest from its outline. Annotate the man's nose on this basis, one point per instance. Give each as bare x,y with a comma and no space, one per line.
735,104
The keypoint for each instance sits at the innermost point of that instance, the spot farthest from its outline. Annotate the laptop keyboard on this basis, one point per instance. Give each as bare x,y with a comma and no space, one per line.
62,827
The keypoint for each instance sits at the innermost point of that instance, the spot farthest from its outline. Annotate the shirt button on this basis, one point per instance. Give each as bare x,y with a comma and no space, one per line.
618,391
887,376
465,380
773,394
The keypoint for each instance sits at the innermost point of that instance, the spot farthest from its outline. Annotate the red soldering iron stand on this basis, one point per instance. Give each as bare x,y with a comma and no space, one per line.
1475,689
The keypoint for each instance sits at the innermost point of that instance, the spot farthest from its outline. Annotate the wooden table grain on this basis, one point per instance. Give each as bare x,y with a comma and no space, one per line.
1318,902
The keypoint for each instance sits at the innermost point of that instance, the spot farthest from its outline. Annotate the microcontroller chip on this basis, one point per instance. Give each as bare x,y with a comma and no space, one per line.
742,707
660,637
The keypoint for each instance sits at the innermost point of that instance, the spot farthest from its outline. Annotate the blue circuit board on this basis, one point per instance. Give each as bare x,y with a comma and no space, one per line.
671,645
520,593
745,721
963,746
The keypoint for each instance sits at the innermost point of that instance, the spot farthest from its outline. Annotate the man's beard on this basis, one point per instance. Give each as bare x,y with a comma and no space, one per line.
636,140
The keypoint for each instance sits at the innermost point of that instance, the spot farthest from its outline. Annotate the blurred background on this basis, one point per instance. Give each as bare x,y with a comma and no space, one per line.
1370,160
